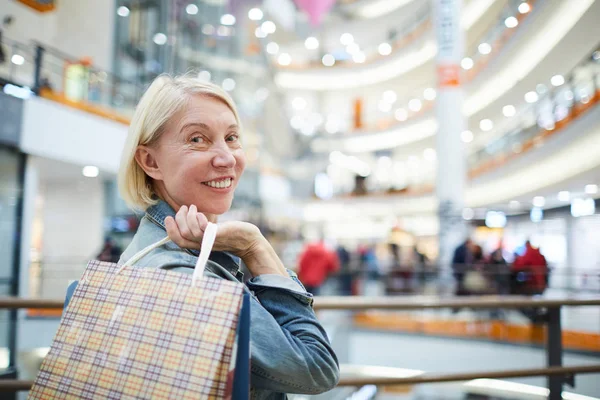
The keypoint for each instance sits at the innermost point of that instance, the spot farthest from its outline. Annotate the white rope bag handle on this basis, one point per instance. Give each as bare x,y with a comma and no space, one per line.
208,240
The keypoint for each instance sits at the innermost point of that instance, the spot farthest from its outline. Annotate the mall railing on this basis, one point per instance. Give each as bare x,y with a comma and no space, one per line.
61,77
556,374
550,111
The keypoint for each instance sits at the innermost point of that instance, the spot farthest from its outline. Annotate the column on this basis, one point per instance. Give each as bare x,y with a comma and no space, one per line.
451,169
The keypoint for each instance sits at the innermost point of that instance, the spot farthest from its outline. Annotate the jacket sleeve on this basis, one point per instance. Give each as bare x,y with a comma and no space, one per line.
290,351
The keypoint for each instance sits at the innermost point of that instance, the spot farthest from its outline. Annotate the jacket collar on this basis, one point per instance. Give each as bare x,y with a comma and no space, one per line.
161,210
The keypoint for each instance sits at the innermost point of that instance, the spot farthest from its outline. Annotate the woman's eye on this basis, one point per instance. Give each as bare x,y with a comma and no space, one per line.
233,138
197,139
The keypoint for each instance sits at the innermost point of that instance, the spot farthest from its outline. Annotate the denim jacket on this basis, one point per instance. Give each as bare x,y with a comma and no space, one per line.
290,351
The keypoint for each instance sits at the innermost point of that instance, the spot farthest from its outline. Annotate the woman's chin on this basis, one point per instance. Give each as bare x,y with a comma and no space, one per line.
217,209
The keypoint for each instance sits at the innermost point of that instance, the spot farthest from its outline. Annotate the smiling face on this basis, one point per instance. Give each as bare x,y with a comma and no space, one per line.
198,159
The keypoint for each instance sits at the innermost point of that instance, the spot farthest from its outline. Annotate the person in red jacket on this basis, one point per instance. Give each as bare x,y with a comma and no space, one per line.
531,269
316,263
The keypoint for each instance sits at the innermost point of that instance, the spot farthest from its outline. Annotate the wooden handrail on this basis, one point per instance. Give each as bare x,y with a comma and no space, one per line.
438,378
354,380
420,303
381,303
13,303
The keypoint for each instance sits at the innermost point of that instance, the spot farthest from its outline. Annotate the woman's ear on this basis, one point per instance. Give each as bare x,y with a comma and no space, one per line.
146,159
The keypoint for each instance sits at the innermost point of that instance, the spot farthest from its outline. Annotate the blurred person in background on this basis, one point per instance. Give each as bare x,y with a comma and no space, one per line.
369,262
530,272
6,21
463,257
110,252
500,271
345,270
316,263
420,266
371,270
182,160
529,276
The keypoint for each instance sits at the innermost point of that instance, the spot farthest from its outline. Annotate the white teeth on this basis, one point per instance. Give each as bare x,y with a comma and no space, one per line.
225,183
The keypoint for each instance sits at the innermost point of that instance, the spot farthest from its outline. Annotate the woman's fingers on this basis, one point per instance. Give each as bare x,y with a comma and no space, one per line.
175,235
202,221
181,219
193,224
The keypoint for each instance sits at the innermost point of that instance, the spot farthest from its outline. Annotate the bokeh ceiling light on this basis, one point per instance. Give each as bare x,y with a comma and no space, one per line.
328,60
390,96
511,22
160,39
352,48
468,214
591,189
509,110
228,84
123,11
308,130
225,30
385,49
17,59
564,195
227,20
272,48
259,33
541,88
467,63
255,14
359,57
191,9
486,125
557,80
539,201
401,114
531,97
296,122
268,27
466,136
284,59
484,48
429,94
311,43
415,105
208,29
299,103
204,76
524,8
90,171
346,39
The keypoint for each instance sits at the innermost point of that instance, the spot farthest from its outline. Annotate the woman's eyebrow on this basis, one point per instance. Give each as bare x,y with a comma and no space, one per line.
204,126
196,124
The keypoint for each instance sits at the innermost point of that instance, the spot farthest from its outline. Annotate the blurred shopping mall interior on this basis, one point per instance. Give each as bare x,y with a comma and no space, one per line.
437,149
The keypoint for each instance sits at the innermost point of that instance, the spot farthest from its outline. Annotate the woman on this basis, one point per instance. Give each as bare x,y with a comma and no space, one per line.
181,163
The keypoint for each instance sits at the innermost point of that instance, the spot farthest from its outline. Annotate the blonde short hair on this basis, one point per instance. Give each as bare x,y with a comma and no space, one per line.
165,97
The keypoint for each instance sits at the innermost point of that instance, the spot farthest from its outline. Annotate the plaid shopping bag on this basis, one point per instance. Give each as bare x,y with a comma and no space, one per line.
148,333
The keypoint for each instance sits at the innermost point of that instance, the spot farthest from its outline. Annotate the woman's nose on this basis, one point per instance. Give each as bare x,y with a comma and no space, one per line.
223,158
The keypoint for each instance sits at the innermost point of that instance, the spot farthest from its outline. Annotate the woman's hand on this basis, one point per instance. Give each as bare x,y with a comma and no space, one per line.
239,238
